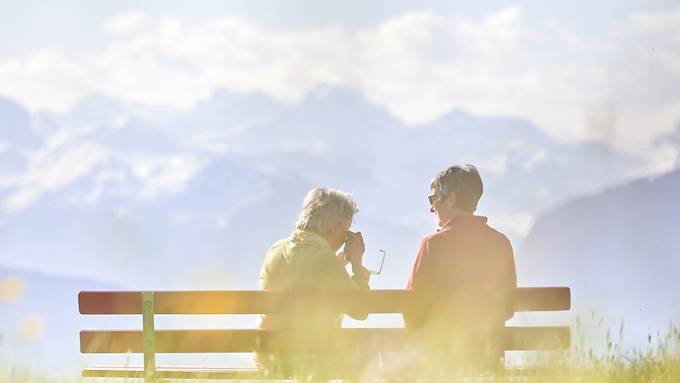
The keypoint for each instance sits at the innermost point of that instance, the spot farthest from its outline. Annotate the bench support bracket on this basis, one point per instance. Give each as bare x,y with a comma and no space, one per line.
149,337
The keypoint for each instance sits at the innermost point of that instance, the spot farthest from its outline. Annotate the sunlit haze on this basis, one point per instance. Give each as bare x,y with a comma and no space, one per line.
168,145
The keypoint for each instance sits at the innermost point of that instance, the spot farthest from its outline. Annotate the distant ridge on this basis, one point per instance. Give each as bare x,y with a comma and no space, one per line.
618,249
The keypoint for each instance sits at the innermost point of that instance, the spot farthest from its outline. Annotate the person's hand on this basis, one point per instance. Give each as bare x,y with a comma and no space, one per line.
342,258
354,248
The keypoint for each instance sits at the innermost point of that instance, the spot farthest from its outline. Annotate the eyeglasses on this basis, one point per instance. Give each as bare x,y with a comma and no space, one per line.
381,253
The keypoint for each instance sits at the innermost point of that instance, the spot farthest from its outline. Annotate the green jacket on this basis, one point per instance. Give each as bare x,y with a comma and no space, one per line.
306,261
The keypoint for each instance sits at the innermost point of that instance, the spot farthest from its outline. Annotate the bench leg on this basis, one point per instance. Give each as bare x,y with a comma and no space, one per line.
149,337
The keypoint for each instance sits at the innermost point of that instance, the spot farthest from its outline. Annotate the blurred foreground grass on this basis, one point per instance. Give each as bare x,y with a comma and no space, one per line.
656,362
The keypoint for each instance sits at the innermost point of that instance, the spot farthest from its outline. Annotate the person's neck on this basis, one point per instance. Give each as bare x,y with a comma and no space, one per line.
455,213
461,213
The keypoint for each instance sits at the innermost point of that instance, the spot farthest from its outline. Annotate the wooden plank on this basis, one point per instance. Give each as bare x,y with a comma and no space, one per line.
247,302
249,373
110,302
175,373
242,340
542,299
347,339
265,302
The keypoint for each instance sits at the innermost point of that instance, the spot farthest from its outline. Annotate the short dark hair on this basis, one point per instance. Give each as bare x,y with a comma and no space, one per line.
464,182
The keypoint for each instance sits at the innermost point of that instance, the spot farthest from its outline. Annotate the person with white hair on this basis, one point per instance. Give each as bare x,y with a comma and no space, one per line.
308,259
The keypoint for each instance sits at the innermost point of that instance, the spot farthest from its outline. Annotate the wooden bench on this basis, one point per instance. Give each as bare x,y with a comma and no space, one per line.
151,342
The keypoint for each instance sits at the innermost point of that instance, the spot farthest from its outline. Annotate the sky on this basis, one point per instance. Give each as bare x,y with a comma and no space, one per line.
579,71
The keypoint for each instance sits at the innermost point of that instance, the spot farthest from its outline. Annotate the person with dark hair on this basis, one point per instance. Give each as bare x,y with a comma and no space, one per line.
464,254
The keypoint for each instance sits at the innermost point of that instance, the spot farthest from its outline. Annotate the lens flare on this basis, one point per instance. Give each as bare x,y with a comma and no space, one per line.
12,289
32,327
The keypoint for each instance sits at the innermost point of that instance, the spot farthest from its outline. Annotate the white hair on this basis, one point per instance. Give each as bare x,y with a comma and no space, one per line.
323,208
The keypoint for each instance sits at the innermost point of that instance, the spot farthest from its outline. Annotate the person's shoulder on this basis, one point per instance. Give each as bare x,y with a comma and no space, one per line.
433,236
276,250
277,246
495,232
498,236
436,239
273,260
279,243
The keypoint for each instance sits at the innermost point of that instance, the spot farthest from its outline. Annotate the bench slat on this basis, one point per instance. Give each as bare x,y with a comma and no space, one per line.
246,373
542,299
266,302
248,340
175,373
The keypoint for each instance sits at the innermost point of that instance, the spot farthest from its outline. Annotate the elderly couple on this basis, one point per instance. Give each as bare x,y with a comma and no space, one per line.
464,253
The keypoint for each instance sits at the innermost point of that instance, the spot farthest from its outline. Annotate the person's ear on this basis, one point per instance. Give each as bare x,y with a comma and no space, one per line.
451,199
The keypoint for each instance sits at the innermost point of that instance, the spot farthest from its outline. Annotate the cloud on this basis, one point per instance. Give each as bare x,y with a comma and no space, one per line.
46,79
497,164
4,146
72,154
536,158
666,158
103,180
164,175
446,63
663,30
516,224
517,154
51,168
621,88
126,23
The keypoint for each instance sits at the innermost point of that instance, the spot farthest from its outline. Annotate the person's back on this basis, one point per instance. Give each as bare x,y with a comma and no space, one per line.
306,261
464,256
465,253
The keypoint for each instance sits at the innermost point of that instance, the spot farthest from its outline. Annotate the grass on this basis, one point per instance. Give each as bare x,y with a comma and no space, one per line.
656,362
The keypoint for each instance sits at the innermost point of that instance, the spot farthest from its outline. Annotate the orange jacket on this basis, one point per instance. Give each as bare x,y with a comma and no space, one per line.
465,253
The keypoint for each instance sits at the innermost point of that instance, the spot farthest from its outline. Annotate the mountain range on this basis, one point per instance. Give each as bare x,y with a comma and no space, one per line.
126,194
